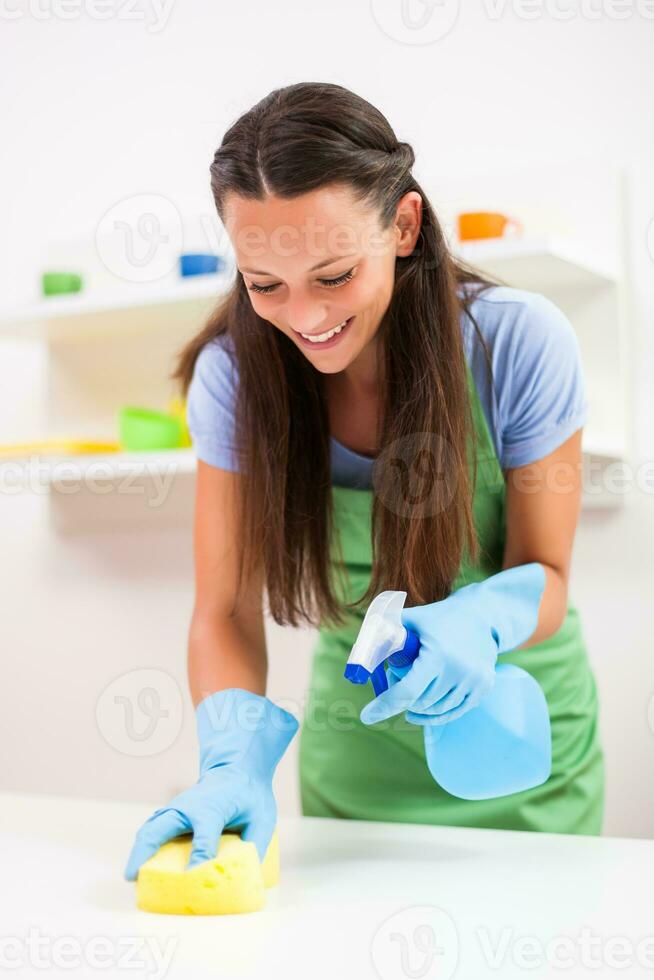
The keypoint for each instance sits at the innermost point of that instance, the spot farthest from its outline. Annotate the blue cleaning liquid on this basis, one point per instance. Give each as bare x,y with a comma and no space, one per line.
502,746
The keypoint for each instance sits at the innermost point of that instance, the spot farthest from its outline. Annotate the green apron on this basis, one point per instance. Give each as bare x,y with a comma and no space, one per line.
379,772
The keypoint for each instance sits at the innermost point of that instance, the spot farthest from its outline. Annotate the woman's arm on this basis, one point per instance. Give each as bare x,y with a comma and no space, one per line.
542,509
224,651
238,752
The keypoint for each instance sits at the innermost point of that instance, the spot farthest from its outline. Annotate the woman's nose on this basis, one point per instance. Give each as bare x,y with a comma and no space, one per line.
306,316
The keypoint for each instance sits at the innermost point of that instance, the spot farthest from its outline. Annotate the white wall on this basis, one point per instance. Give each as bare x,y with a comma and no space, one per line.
102,110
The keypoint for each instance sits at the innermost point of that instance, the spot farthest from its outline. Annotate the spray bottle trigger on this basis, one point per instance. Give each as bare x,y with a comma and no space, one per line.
379,680
408,653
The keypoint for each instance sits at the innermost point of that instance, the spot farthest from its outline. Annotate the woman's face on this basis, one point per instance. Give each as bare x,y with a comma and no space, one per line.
320,262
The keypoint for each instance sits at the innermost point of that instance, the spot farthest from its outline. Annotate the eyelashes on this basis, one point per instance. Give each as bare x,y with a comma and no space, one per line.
328,283
339,279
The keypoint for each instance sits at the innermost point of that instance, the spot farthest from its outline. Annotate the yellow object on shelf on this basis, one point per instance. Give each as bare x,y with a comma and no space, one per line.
57,447
234,881
177,407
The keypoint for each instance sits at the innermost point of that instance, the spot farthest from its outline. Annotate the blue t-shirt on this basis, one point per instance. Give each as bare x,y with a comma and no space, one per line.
535,402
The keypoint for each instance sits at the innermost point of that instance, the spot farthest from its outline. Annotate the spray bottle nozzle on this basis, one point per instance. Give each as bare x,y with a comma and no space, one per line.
381,636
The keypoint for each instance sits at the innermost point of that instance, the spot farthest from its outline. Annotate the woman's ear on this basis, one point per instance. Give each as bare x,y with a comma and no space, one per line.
408,221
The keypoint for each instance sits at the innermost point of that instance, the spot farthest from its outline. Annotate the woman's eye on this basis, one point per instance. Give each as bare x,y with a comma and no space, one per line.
338,281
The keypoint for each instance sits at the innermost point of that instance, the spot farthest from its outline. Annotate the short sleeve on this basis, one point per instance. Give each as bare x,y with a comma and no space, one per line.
210,405
542,399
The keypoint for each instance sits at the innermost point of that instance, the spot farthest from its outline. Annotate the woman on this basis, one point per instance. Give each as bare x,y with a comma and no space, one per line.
370,413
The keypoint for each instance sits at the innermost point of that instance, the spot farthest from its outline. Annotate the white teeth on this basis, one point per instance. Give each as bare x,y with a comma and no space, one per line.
322,337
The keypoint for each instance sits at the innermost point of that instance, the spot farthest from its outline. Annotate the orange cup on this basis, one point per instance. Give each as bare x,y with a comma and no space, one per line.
486,224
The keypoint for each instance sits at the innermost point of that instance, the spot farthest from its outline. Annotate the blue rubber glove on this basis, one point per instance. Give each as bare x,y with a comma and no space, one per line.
242,737
460,638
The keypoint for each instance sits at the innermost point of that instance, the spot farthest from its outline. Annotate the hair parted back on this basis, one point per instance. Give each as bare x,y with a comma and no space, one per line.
295,140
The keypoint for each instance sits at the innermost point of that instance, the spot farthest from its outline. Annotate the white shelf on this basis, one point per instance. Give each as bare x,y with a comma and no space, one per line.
541,264
56,470
593,444
131,308
125,365
586,286
58,473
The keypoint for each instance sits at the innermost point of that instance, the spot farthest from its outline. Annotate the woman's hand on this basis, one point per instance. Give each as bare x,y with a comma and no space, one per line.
460,639
242,738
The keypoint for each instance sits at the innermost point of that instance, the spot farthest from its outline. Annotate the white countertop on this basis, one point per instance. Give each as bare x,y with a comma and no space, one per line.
354,899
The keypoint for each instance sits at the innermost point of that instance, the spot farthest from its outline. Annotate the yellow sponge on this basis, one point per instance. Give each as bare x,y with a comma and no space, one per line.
234,881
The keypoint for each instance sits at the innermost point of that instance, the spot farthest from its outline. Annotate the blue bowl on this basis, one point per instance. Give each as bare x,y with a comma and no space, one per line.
199,264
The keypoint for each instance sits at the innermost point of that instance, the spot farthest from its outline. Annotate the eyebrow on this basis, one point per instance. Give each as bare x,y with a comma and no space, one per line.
334,258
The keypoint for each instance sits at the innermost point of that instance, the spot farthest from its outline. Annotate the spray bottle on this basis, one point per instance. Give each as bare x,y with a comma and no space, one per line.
502,746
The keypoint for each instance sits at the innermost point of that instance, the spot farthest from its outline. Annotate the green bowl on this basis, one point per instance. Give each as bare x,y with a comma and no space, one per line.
55,283
144,428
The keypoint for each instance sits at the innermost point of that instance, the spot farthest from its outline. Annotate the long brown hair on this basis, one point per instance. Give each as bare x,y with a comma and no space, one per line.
297,139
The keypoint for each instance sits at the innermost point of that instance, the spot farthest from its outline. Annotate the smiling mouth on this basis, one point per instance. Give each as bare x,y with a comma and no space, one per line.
327,335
